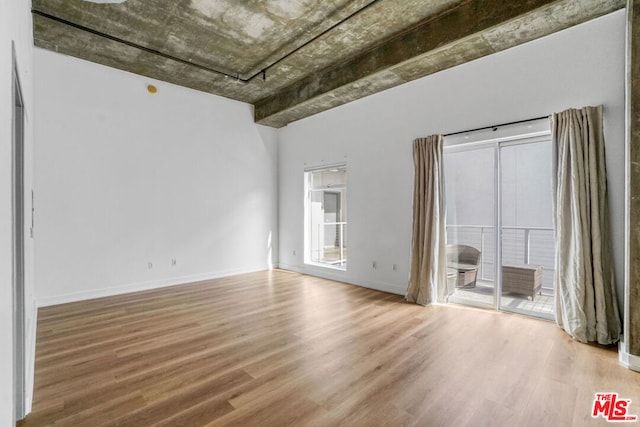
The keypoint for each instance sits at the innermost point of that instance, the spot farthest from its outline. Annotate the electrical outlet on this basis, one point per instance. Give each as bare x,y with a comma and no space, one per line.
150,265
294,252
395,267
374,265
174,262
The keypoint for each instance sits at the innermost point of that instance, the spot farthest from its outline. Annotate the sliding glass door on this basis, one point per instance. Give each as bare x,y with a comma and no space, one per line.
471,209
500,241
528,245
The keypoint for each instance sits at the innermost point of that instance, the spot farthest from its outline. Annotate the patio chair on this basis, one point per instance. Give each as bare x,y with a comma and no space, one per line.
466,261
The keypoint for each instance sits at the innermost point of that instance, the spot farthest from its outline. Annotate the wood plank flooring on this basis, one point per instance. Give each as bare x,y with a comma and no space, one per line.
277,348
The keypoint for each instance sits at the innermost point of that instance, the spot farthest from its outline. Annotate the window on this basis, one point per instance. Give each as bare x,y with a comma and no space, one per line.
326,216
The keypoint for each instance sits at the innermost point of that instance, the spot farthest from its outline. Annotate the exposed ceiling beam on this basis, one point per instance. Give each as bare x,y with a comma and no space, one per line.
473,29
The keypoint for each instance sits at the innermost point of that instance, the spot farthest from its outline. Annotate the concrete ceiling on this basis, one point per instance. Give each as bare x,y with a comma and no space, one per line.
295,58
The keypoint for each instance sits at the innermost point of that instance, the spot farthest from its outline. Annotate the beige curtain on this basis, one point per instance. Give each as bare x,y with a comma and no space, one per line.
586,303
427,280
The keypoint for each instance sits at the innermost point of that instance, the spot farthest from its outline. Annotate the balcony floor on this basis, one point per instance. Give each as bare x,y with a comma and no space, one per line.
482,295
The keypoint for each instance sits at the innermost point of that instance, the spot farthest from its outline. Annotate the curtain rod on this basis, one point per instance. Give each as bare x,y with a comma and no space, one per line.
495,127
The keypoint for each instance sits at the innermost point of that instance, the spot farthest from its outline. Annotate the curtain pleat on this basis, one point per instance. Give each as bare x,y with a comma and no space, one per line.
585,298
427,280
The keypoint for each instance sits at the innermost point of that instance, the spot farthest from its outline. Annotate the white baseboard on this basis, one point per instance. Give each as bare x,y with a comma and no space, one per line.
173,281
143,286
629,361
340,276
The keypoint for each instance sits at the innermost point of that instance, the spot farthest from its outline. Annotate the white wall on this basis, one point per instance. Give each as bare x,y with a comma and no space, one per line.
15,25
581,66
126,178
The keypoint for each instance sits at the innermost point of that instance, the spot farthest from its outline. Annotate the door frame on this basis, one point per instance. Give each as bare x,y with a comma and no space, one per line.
18,239
496,144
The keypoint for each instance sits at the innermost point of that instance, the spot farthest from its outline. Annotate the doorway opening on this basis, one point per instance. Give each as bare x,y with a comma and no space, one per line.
18,228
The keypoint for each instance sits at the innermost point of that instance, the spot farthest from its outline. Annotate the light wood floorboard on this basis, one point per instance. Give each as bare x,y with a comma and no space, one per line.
277,348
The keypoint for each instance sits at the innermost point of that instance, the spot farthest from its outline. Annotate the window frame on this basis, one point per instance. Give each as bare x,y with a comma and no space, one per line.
308,223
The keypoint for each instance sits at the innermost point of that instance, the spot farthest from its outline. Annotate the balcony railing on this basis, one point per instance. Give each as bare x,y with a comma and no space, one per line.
520,245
